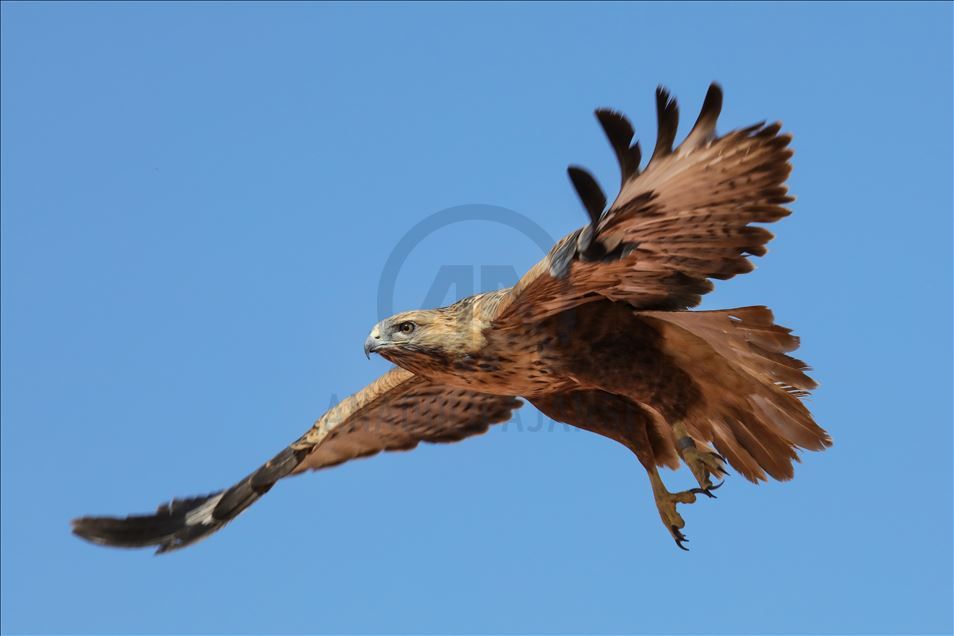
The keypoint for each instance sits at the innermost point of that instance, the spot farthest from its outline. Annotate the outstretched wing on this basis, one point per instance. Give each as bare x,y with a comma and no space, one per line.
396,412
683,220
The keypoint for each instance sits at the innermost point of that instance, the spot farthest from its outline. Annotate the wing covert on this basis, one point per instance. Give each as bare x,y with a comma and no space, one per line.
412,410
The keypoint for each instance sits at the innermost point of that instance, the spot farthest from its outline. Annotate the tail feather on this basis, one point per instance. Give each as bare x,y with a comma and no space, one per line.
753,411
182,522
771,450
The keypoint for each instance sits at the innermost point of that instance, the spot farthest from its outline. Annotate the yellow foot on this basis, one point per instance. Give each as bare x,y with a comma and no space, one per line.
703,463
666,504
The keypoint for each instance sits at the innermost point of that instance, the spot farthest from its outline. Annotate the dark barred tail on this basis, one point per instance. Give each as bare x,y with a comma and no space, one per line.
182,522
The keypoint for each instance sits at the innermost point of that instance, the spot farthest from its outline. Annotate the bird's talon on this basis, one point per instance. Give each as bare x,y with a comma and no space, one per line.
679,537
704,464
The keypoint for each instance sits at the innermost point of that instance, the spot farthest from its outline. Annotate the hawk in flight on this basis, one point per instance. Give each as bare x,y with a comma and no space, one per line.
598,335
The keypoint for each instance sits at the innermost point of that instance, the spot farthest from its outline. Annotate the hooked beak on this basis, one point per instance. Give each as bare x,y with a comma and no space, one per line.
373,343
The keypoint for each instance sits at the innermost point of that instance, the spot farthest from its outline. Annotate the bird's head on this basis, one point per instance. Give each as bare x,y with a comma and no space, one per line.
426,339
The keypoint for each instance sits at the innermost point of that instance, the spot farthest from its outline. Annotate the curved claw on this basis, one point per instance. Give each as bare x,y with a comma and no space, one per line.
705,491
724,461
718,485
679,537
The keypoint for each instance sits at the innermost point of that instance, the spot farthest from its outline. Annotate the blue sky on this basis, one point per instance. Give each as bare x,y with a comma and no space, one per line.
198,202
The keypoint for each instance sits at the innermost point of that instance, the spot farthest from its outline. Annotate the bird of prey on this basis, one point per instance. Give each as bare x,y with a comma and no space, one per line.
599,334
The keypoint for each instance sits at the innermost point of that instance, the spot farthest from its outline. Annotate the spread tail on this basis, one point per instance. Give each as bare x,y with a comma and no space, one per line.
753,411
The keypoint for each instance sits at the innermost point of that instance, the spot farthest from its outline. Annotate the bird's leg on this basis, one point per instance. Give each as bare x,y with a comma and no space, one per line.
666,504
637,439
703,463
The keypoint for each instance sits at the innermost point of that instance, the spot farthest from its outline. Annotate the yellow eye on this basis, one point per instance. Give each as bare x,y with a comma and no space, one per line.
406,327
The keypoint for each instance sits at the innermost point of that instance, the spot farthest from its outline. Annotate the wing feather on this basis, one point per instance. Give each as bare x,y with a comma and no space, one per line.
682,221
395,412
415,411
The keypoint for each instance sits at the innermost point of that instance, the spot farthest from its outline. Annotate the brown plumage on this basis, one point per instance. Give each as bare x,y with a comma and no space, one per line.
395,412
597,335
